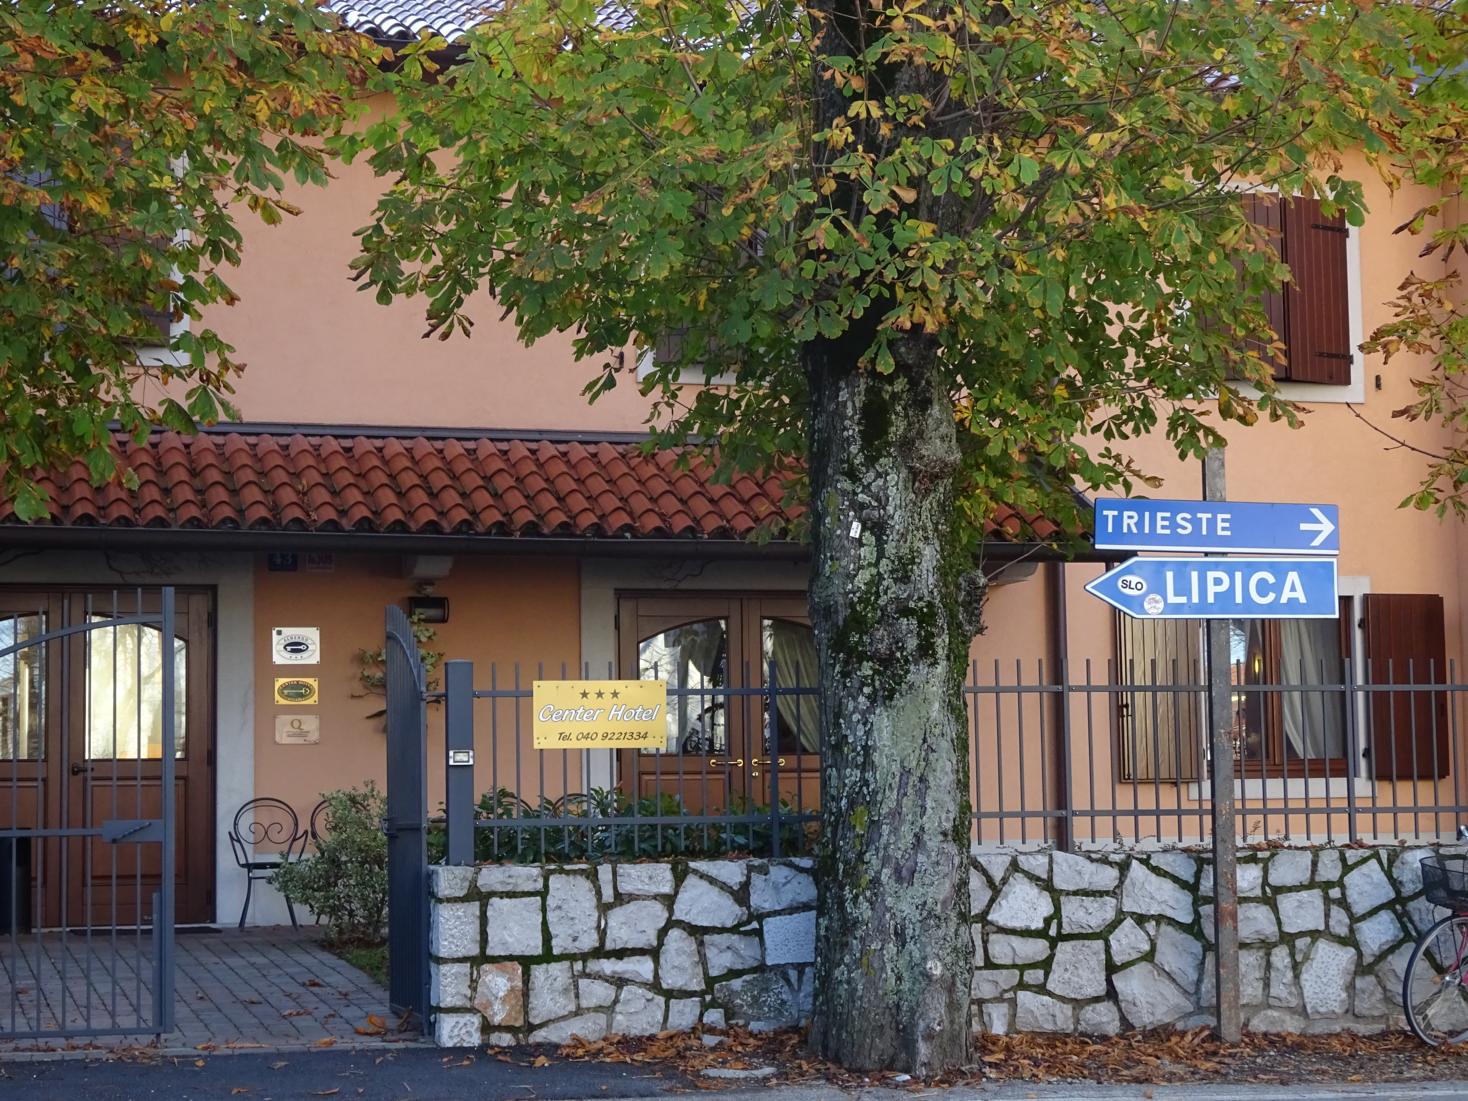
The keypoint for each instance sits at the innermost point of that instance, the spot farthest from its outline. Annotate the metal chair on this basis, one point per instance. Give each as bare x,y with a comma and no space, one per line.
318,824
266,821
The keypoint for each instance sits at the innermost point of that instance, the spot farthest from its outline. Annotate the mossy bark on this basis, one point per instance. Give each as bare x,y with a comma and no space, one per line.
894,951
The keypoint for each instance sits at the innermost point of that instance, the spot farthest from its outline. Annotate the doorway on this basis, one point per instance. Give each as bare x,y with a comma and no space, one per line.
81,744
726,748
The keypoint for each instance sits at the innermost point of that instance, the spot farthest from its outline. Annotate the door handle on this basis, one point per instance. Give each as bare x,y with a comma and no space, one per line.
726,762
77,770
757,761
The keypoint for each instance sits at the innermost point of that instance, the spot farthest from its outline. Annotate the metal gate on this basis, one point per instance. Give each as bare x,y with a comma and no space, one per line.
405,685
88,736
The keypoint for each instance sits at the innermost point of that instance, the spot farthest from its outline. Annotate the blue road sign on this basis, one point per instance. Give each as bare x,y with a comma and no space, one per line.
1218,527
1221,588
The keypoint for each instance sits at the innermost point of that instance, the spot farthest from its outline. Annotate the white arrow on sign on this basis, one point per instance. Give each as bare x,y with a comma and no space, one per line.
1324,527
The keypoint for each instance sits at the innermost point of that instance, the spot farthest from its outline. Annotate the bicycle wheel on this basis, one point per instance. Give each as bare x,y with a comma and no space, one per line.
1435,985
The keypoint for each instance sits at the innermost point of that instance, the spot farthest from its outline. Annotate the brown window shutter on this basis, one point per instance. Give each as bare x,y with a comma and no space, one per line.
1264,209
1407,736
1161,736
1317,307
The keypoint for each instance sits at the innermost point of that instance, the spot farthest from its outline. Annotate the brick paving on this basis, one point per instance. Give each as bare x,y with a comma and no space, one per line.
272,988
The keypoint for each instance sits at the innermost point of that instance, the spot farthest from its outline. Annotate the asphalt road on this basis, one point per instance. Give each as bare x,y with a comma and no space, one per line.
425,1074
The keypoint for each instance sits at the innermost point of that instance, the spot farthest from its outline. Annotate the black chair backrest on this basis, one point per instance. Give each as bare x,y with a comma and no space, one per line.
267,824
318,822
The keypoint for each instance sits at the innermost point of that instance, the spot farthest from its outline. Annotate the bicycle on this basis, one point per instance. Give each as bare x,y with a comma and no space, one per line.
1435,984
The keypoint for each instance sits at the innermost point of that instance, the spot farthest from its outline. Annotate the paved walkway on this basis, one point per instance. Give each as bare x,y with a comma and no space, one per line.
273,988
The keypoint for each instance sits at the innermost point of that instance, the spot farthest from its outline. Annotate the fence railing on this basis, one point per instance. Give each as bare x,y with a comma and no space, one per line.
1101,754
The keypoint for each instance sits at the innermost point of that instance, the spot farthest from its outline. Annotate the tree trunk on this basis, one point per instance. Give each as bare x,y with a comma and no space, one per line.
894,952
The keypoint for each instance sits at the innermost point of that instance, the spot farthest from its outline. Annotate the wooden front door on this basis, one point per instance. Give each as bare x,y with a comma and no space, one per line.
726,749
88,746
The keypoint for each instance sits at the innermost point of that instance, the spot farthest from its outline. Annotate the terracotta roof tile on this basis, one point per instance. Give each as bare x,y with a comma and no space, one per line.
528,488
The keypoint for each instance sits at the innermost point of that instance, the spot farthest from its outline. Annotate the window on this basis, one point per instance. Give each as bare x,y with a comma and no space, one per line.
1312,313
22,688
669,348
1291,715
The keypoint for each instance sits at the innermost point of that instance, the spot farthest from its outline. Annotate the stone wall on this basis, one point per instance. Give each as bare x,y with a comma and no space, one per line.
1104,942
1092,943
530,953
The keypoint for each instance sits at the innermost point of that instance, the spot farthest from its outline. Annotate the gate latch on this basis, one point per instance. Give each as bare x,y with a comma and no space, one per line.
132,829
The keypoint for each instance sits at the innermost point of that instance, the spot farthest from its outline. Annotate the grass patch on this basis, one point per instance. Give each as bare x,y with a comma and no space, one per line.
368,958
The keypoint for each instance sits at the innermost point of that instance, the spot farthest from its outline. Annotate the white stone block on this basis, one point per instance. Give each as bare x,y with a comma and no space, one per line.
1099,1019
1257,924
704,904
552,992
731,873
1290,867
1128,942
1327,977
571,912
1252,963
1036,864
587,1026
1146,892
513,927
1037,1013
683,1013
1180,956
451,881
456,1029
1075,873
713,1018
595,994
449,985
979,892
636,968
638,1012
726,952
1367,887
996,1018
510,878
645,879
605,883
678,964
1327,865
1250,878
454,930
1086,913
1370,1001
1006,950
790,938
1275,1020
1301,911
1284,989
1148,997
1078,970
1182,866
1407,871
1339,921
990,984
635,924
1021,905
1377,934
995,865
781,887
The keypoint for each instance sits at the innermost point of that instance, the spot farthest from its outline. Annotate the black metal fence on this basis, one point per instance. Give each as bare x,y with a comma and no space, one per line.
1109,753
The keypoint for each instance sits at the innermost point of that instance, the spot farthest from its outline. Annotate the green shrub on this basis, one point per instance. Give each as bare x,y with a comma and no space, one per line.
345,882
608,828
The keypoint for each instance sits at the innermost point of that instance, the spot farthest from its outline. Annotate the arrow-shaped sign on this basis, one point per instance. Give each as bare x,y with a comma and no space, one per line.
1216,527
1221,588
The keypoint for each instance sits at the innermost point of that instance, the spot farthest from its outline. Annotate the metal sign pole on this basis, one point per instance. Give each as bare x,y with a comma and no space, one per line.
1221,776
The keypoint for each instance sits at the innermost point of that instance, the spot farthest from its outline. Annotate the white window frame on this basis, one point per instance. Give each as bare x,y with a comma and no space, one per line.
688,375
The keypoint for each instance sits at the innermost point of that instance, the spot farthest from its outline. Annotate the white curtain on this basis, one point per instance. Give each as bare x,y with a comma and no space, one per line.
1314,722
792,647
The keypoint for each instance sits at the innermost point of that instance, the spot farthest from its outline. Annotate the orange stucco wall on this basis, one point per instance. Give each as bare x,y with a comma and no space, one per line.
502,610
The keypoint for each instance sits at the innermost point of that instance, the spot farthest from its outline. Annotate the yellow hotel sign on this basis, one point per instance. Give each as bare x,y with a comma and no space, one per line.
600,714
